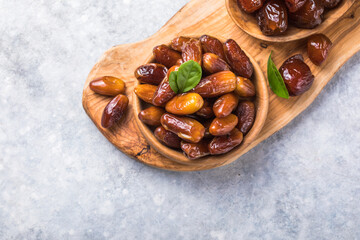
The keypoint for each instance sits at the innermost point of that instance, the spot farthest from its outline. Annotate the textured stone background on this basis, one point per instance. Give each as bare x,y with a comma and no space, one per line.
61,179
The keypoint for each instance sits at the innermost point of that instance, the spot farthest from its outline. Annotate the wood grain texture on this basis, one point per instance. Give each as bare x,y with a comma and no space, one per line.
248,22
196,19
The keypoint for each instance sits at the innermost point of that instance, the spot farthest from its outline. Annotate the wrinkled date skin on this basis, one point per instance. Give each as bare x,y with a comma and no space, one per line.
213,63
309,15
330,3
224,125
184,104
192,51
246,116
151,116
244,87
164,92
225,105
212,45
273,18
145,92
166,56
294,5
250,6
318,47
114,111
206,111
186,128
297,75
152,73
168,138
216,84
195,150
237,59
224,144
179,43
109,86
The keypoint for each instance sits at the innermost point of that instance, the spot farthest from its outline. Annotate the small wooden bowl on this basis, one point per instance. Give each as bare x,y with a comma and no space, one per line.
261,103
248,22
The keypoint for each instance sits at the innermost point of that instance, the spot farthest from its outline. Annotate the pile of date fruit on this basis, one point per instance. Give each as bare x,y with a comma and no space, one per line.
273,16
211,118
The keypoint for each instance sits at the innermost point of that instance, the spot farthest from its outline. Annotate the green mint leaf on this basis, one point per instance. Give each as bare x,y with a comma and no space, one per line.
276,81
173,81
189,75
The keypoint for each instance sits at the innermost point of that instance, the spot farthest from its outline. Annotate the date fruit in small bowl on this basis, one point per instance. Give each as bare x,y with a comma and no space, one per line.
285,20
200,100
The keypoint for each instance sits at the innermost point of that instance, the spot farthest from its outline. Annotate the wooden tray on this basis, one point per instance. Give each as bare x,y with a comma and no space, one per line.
210,17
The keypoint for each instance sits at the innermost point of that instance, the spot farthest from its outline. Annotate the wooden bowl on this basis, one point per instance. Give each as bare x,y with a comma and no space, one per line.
261,103
248,22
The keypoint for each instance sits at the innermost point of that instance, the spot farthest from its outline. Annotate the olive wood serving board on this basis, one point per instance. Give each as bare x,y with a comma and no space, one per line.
210,17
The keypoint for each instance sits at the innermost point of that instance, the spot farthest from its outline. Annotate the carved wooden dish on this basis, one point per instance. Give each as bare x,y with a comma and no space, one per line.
261,103
248,22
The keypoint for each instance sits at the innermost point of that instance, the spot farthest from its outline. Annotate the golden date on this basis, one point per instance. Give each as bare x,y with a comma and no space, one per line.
224,125
151,115
225,105
184,104
145,92
109,86
216,84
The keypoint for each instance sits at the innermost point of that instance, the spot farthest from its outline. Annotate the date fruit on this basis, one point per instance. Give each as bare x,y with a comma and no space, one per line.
145,92
186,128
225,105
166,56
244,87
164,92
294,5
273,18
224,144
206,111
318,47
114,111
168,138
184,104
195,150
250,6
192,51
213,63
178,43
151,116
330,3
109,86
152,73
246,115
212,45
237,59
309,15
297,75
216,84
224,125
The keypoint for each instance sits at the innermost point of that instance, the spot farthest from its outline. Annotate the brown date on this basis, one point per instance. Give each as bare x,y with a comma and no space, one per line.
237,59
225,105
145,92
192,51
330,3
297,75
246,115
318,47
244,87
110,86
213,63
178,43
195,150
224,125
168,138
186,128
114,111
250,6
226,143
309,15
164,92
212,45
151,115
184,104
273,18
294,5
206,111
152,73
216,84
166,56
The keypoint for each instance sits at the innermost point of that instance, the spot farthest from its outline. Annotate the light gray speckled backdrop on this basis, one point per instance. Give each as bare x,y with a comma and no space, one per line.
61,179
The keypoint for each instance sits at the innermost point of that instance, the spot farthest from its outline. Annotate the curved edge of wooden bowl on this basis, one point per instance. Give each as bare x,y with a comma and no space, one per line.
248,23
262,106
